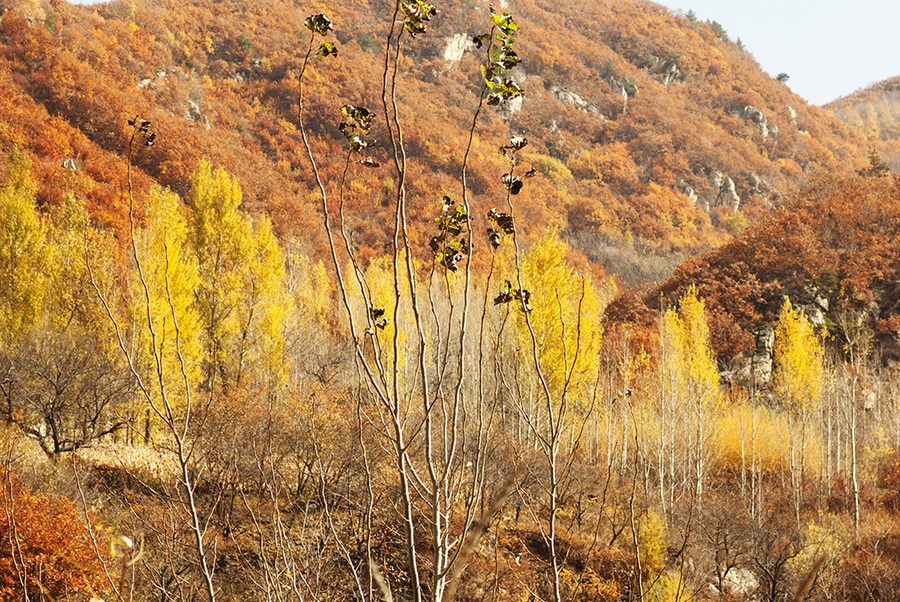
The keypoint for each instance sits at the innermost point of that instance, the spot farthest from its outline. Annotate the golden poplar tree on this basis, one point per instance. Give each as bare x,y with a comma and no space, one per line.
798,361
567,316
22,243
241,298
692,375
221,241
171,277
798,383
264,309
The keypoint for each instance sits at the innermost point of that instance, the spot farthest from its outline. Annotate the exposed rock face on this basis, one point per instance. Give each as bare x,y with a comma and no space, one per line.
695,198
756,184
666,70
570,98
192,113
621,86
738,583
765,341
457,45
754,370
815,311
814,314
671,73
512,106
149,83
723,191
762,122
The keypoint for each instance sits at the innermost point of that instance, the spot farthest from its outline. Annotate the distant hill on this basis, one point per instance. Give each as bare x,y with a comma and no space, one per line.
654,138
876,111
834,251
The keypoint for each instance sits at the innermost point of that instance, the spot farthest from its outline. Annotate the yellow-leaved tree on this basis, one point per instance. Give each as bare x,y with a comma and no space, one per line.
691,379
241,299
62,385
798,381
263,310
798,361
22,242
170,273
567,317
220,240
70,239
557,316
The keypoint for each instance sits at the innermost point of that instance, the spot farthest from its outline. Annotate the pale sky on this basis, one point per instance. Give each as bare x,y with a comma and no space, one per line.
829,48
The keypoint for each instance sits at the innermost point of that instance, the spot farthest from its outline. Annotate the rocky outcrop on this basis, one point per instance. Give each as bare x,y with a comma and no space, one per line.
154,84
512,106
723,190
738,583
754,370
816,310
570,98
695,198
792,114
193,114
755,184
671,73
625,88
755,115
456,47
666,71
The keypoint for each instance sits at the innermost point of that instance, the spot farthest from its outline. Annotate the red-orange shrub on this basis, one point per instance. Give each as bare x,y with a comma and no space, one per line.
43,544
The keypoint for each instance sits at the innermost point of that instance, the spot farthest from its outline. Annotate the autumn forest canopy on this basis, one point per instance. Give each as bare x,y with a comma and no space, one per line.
466,301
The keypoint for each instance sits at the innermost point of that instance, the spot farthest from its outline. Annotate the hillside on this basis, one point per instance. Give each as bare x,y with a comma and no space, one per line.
654,138
833,250
260,343
876,111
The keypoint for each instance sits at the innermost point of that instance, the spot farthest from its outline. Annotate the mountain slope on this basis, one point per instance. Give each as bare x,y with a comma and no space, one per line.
654,138
834,252
876,111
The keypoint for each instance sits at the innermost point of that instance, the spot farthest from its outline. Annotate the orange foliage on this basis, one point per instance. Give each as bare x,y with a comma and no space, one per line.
219,81
837,241
44,544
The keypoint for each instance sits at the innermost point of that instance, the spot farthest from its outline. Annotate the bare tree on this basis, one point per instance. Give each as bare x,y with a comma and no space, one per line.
417,364
62,390
155,389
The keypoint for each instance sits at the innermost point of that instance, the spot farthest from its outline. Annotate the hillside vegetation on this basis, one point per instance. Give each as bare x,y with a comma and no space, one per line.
876,111
337,302
652,134
832,249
